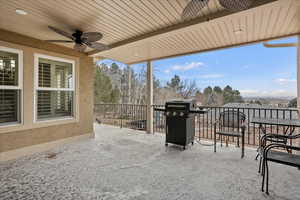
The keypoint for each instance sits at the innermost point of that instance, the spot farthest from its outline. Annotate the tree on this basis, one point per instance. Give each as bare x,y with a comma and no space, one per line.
187,89
114,68
257,102
217,90
102,87
115,95
293,103
213,97
231,96
174,83
207,91
114,84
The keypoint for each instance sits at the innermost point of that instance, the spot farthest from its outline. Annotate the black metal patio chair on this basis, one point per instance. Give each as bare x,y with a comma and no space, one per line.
272,154
230,124
272,138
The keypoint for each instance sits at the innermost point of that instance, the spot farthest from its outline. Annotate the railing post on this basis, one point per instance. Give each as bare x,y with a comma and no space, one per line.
149,97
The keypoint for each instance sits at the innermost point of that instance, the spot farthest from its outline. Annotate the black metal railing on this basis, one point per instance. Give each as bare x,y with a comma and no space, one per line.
123,115
135,117
204,123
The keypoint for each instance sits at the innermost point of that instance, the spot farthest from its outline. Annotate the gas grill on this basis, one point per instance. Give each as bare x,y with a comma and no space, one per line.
180,121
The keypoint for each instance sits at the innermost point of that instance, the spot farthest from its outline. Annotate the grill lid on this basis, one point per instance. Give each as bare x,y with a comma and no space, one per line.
182,105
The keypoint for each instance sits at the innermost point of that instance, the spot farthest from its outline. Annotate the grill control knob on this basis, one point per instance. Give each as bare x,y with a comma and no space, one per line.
174,113
181,114
168,113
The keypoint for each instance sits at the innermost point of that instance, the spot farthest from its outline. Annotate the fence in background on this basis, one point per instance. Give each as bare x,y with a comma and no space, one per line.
123,115
134,116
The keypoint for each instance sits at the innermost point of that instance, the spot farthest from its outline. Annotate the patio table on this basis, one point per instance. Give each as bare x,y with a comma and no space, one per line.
287,124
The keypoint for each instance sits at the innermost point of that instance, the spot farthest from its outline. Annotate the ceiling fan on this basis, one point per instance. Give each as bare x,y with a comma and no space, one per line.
81,39
193,8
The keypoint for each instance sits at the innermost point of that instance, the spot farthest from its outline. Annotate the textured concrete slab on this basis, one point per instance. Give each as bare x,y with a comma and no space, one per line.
127,164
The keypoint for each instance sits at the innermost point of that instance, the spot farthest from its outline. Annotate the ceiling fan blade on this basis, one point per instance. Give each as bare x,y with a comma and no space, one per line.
97,46
280,45
91,36
193,8
66,34
59,41
79,47
236,5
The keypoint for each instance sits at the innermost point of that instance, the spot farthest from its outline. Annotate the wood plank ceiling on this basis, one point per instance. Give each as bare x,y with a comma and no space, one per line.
140,30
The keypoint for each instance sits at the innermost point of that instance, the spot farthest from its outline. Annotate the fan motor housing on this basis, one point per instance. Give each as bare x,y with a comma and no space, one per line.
77,35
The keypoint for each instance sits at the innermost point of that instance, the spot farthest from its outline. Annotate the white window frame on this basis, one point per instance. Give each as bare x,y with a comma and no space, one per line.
36,86
18,87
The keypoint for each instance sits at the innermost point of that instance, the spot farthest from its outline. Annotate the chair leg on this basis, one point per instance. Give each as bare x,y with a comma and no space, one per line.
215,142
238,141
221,140
243,146
260,163
256,156
263,175
227,138
267,176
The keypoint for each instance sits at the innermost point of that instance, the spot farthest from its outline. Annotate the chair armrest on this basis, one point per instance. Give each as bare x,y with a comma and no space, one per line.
243,126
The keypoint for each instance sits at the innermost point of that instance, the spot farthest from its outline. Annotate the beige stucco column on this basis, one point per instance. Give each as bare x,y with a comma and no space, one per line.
298,74
149,97
298,81
129,86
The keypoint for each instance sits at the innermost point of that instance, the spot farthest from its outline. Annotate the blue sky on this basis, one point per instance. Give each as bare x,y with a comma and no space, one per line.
253,69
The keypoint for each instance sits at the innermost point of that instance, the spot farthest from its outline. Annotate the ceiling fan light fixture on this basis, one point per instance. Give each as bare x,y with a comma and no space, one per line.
193,8
236,5
21,12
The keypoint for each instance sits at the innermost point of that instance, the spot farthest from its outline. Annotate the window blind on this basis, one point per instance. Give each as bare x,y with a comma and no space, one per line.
54,92
9,92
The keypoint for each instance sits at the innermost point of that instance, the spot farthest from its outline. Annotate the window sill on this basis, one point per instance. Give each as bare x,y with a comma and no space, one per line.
11,124
58,119
54,121
38,124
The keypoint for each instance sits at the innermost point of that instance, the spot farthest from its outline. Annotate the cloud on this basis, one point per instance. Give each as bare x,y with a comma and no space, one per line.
187,66
212,76
167,71
284,81
260,93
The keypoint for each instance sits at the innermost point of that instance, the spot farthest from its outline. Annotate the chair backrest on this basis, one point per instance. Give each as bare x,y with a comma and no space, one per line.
232,119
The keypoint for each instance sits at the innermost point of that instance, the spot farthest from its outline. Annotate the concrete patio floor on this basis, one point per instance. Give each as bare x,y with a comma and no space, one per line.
126,164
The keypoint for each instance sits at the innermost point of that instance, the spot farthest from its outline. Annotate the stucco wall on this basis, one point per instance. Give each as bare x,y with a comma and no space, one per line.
29,133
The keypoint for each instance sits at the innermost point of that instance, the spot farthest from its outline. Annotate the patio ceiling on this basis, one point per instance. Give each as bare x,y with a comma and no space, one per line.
152,29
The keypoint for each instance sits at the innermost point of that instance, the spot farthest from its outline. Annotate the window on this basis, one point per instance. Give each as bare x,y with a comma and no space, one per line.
10,85
54,88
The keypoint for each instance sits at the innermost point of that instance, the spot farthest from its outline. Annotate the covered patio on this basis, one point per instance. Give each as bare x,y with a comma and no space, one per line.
127,164
46,100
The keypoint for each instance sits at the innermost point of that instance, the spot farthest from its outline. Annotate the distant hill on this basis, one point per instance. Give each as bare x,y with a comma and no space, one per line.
272,101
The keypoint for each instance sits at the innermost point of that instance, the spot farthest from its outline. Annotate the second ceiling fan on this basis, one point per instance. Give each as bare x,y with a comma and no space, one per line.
193,8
